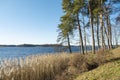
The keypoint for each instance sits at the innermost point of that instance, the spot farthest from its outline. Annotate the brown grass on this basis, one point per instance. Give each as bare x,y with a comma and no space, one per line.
33,67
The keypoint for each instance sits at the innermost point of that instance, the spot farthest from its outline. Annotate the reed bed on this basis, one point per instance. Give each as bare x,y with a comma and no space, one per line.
35,67
61,66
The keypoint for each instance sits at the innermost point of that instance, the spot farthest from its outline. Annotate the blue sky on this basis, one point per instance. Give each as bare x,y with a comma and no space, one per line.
29,21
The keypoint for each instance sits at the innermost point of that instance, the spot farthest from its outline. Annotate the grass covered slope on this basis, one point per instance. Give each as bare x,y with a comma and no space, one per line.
108,71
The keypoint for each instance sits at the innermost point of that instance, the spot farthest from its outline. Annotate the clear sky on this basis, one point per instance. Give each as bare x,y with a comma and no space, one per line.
29,21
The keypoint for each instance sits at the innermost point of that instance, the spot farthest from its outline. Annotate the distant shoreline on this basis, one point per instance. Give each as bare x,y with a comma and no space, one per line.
40,45
32,45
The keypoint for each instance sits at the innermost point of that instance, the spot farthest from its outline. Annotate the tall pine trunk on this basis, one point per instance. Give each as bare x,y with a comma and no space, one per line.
92,29
108,31
98,41
85,46
101,26
101,30
68,41
80,34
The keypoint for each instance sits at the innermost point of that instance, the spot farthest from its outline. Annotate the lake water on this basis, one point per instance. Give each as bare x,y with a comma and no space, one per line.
10,52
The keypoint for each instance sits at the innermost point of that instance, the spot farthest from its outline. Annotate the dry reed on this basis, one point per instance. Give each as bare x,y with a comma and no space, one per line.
49,67
35,67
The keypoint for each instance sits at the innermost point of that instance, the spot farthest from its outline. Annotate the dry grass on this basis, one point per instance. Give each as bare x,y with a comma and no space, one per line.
36,67
51,67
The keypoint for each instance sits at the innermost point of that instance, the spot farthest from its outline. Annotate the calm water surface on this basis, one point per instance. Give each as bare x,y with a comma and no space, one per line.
11,52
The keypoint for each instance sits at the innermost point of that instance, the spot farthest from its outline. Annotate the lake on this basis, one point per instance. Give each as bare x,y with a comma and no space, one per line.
11,52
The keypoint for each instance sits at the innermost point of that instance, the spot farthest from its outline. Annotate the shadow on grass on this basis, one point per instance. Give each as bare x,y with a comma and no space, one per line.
114,59
92,66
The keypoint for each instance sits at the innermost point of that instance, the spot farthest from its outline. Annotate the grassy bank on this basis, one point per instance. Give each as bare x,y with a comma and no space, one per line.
108,71
52,67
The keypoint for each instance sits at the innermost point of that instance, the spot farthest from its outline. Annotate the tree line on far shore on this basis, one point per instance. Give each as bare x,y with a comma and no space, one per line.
98,19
